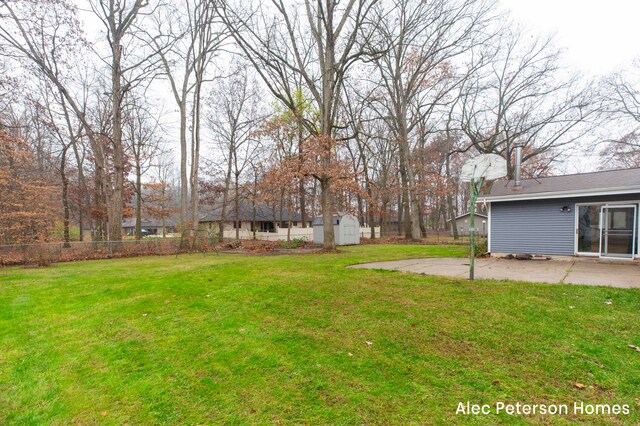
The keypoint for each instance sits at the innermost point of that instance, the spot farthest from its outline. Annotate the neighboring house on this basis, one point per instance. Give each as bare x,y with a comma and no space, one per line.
346,229
589,214
463,224
266,219
149,226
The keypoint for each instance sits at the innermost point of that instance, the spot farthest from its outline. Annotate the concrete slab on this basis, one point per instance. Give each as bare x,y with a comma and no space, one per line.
623,275
569,271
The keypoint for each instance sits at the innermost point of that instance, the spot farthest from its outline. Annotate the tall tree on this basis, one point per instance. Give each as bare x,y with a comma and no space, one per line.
118,18
143,146
317,45
234,118
188,36
416,72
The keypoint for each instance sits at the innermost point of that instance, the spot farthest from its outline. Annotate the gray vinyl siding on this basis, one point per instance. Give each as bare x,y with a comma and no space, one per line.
539,226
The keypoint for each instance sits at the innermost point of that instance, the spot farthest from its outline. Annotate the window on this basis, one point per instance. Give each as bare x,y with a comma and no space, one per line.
237,224
266,227
589,228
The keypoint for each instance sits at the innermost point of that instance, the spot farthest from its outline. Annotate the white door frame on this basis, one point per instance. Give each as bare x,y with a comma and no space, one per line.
601,204
634,229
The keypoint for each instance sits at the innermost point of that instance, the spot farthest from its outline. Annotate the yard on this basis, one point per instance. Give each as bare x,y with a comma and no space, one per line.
301,339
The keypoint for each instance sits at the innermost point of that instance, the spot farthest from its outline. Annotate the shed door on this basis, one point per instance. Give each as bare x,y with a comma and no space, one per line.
618,231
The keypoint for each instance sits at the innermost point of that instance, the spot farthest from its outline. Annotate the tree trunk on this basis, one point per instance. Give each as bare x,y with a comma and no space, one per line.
184,189
314,198
327,214
288,218
412,226
195,153
225,195
400,213
384,218
117,196
138,201
84,201
237,205
65,197
303,201
451,208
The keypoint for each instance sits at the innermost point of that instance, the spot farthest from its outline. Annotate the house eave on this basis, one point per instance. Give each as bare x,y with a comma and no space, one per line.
560,194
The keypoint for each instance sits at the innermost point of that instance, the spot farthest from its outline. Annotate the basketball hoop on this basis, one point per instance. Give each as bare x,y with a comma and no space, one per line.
477,171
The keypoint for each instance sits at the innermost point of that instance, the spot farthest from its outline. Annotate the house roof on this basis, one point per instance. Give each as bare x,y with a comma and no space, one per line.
319,220
130,222
264,213
469,214
626,181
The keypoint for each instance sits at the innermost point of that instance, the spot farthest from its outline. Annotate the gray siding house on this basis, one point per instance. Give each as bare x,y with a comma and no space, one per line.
463,224
589,214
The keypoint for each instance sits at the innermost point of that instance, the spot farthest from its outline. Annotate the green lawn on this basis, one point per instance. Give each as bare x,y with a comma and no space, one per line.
282,339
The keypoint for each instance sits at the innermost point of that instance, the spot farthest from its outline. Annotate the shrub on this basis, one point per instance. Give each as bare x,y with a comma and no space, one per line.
481,247
293,244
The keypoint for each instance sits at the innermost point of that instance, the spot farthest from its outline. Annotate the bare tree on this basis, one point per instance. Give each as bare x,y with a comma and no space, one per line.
523,96
417,72
235,116
188,37
143,145
58,119
118,18
621,107
45,37
317,45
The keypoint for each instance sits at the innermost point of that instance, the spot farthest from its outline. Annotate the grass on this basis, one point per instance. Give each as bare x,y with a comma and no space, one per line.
263,339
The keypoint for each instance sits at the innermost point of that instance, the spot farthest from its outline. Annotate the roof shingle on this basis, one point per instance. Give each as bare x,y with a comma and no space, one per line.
578,183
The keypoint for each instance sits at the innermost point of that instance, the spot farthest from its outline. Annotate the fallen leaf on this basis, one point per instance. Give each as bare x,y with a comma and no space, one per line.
580,386
104,413
350,354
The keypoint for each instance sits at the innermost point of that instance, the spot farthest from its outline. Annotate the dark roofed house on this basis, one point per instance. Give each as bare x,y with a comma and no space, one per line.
588,214
149,226
266,219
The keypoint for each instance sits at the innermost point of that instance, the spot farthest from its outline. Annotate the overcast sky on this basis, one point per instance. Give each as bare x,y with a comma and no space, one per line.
599,36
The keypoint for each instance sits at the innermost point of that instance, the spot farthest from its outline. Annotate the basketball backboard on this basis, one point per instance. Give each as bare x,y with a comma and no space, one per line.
487,166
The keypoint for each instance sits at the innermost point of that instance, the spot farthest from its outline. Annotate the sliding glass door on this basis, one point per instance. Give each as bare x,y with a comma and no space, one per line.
589,229
618,231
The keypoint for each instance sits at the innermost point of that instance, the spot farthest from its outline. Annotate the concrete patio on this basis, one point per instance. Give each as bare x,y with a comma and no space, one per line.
622,274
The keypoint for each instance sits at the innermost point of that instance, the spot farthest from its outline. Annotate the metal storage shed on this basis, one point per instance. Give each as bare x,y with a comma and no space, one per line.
345,227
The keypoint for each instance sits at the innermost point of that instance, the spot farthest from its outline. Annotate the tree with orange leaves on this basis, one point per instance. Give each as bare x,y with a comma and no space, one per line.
26,201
